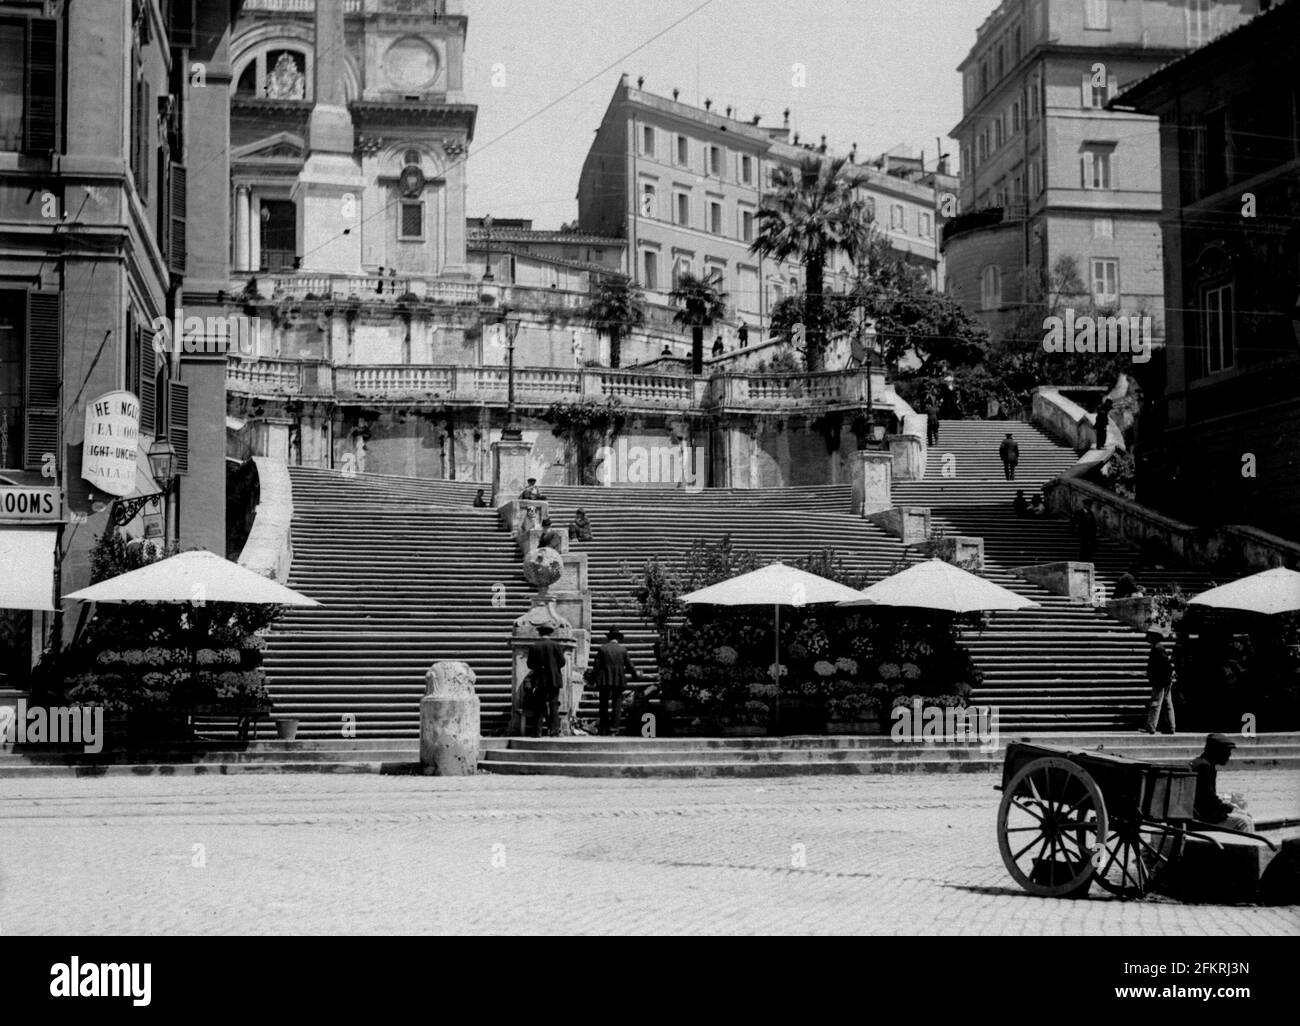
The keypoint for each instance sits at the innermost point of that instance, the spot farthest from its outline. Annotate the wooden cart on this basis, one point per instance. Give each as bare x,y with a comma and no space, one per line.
1070,816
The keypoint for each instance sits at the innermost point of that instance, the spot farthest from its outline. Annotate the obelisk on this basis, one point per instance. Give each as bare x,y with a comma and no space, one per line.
329,189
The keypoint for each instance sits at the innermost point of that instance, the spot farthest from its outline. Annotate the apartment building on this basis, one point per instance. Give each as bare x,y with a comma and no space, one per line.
1048,171
683,186
1224,445
114,212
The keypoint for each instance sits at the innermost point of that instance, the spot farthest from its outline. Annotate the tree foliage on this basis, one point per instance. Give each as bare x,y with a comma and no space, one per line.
616,306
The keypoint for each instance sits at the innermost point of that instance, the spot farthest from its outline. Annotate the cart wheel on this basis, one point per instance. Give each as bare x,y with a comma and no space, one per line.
1135,855
1052,818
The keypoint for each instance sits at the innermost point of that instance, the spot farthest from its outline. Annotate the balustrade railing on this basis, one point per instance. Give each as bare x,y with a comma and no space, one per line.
272,377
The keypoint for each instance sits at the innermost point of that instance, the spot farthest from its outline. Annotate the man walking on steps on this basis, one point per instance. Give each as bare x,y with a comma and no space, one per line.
609,675
1162,678
1009,452
932,422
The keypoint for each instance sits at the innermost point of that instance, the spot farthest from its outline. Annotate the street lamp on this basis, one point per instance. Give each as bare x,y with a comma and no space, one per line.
162,465
487,267
512,432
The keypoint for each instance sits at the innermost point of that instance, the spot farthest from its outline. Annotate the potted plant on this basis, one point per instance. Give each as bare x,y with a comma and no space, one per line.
854,713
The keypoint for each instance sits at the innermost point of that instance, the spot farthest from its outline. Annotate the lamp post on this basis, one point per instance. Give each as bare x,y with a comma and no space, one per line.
162,464
487,266
512,432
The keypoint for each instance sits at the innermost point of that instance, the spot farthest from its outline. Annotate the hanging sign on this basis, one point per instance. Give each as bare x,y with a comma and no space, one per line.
108,455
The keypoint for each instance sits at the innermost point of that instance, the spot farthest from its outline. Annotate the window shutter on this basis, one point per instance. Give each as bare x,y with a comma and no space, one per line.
1083,170
1112,87
178,423
41,108
146,384
182,23
44,352
1087,90
176,217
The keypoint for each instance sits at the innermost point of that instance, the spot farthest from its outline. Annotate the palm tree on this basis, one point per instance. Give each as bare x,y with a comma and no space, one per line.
616,307
702,303
812,214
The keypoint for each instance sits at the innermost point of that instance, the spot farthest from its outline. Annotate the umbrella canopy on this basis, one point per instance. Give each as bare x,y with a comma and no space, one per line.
195,578
774,585
935,584
1272,591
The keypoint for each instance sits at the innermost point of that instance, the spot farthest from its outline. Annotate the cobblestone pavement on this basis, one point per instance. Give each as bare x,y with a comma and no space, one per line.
368,854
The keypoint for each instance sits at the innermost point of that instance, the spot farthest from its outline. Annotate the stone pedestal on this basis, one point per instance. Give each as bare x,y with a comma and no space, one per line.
1135,611
968,551
573,575
908,455
1075,580
910,524
522,637
872,480
449,721
514,514
511,463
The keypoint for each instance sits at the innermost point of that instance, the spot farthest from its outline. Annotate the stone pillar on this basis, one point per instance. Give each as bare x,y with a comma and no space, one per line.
449,721
872,479
510,470
243,227
908,454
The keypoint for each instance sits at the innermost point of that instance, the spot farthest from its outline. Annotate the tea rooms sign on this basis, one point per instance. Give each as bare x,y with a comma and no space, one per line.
108,458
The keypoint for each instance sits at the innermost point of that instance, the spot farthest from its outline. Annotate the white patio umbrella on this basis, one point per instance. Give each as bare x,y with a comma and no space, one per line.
193,578
935,584
775,585
1269,592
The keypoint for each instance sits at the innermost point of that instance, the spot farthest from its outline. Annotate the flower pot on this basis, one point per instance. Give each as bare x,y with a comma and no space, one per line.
286,730
743,730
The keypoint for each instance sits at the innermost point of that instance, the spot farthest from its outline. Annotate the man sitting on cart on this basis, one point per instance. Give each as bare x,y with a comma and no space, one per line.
1209,807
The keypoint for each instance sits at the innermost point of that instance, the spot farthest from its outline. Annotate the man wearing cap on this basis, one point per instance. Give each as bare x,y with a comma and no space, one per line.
546,661
609,673
532,491
1209,807
1162,677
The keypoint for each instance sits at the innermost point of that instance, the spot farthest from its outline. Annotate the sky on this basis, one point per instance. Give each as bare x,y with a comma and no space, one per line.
878,73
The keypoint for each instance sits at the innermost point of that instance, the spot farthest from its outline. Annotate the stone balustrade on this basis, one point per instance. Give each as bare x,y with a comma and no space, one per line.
371,287
272,378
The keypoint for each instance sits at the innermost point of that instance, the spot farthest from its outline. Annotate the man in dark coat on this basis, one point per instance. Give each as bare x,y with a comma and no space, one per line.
532,491
611,667
1009,453
580,527
1162,678
1101,426
551,537
546,663
1209,807
480,500
932,423
1086,524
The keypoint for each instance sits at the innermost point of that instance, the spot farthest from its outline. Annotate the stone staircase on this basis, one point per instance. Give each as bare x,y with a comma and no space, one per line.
409,573
1066,662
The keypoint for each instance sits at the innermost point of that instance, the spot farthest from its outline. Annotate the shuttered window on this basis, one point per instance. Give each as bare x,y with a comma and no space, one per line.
41,383
178,423
176,206
145,385
40,107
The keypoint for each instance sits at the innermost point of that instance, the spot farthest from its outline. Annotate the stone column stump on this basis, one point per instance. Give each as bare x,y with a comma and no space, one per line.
449,721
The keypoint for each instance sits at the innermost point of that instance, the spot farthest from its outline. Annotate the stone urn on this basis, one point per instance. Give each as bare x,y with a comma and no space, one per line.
542,568
449,721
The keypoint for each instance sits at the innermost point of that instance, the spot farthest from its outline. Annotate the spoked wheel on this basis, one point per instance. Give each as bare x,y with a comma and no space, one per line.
1051,820
1135,855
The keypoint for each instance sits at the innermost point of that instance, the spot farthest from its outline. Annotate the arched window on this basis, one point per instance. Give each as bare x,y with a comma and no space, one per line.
276,73
991,287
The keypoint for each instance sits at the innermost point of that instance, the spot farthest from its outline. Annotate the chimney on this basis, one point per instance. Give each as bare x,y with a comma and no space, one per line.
676,93
640,82
823,147
787,117
708,104
853,154
728,112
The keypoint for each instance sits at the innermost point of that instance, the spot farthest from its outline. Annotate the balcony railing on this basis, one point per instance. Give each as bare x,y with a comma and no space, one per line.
268,378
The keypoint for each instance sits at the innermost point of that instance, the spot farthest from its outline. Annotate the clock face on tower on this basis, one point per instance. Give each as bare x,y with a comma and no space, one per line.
411,64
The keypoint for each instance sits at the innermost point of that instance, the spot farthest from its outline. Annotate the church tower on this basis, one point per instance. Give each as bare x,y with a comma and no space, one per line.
350,136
